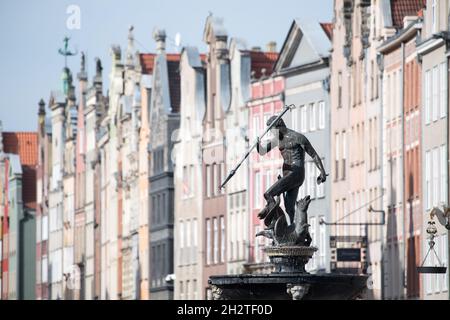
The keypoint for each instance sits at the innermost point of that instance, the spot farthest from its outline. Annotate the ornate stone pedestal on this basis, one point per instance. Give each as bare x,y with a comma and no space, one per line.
290,259
287,286
289,280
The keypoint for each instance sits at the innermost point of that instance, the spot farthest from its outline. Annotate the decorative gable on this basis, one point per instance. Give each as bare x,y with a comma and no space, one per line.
307,42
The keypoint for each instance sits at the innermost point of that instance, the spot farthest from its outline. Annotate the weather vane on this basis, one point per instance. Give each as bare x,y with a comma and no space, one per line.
65,52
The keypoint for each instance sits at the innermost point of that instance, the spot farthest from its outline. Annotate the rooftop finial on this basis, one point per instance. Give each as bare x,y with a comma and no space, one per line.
130,47
98,67
83,62
66,52
160,37
41,107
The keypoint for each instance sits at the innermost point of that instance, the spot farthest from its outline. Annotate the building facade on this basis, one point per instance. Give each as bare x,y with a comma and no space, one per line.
18,160
432,51
189,258
43,178
213,150
358,173
401,127
164,119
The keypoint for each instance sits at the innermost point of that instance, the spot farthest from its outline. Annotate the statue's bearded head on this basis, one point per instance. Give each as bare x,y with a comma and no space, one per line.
279,126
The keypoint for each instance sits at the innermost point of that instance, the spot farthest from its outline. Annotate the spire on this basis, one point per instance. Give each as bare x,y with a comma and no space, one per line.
160,37
130,47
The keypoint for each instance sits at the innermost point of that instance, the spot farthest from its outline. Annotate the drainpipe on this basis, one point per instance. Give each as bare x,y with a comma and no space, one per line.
380,62
403,170
448,176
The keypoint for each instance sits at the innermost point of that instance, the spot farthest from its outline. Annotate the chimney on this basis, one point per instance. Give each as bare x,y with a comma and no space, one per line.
271,46
256,49
407,20
160,37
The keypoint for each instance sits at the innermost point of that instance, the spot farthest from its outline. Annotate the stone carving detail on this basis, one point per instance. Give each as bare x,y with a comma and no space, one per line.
297,291
216,293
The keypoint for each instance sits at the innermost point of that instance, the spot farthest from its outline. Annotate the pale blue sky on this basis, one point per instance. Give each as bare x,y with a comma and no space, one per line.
32,31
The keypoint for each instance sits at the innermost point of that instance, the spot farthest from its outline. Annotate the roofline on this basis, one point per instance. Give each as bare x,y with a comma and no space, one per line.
16,132
406,34
318,64
294,22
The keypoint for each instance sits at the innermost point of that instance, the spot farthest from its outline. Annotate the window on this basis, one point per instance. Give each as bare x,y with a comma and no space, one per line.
434,16
186,190
294,119
215,174
188,255
257,192
312,116
181,239
208,241
435,177
303,119
340,89
337,215
427,96
257,245
428,179
443,171
222,239
443,89
191,179
344,153
44,227
194,285
44,270
311,179
435,88
321,115
302,190
444,256
222,178
208,181
322,244
181,291
268,179
188,288
344,213
215,241
255,126
336,156
232,238
312,231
